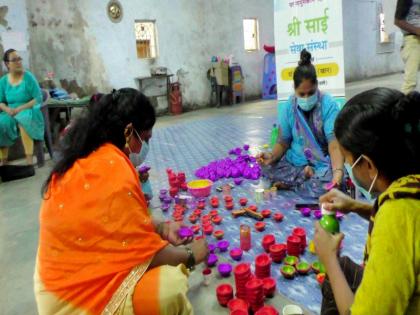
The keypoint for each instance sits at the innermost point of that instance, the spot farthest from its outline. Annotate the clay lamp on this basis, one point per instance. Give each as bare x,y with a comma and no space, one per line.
238,305
225,269
217,219
218,234
303,268
306,212
291,260
193,218
185,232
229,206
320,277
223,245
278,216
196,229
183,186
253,208
211,248
212,260
165,207
317,214
317,267
269,287
236,254
201,205
238,181
214,203
228,198
267,241
197,212
266,213
206,218
243,202
260,226
208,229
213,213
288,272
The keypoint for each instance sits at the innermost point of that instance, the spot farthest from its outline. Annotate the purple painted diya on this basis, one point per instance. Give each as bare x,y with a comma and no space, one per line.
238,181
211,248
317,214
306,212
225,269
185,232
223,245
212,260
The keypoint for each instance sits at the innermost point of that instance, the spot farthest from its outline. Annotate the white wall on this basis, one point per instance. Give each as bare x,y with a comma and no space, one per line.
189,33
13,19
362,57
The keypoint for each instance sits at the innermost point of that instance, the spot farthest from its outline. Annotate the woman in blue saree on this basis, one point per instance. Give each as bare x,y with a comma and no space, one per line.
306,156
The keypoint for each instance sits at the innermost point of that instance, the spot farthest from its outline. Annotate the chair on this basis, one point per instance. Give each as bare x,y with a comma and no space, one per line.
39,144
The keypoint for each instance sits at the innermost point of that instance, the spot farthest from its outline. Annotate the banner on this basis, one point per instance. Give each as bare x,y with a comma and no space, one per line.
316,25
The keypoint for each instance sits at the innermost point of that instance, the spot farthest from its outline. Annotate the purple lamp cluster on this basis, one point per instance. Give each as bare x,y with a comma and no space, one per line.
243,165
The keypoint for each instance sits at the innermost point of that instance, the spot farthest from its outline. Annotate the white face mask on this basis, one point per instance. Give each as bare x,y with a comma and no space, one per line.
137,159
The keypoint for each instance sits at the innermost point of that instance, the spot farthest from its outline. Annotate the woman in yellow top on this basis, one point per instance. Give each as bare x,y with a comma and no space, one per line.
379,135
100,252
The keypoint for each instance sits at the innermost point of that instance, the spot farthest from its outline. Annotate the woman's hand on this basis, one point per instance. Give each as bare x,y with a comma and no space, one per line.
265,159
200,250
170,233
337,177
308,171
9,111
326,244
336,200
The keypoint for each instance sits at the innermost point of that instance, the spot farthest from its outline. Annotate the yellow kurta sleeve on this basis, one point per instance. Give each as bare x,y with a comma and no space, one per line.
389,284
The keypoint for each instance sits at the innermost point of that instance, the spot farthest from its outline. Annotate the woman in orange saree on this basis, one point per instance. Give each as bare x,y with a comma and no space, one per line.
100,252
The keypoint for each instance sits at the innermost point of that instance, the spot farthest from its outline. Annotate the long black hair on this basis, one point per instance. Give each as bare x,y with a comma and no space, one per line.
104,122
384,125
305,69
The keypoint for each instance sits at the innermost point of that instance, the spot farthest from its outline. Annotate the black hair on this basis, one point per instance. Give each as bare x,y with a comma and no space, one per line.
103,122
7,55
305,69
383,124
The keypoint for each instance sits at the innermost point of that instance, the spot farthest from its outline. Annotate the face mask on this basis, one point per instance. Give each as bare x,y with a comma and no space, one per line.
308,103
138,158
365,193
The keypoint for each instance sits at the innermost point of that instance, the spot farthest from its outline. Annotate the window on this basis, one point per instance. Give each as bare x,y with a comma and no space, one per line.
251,41
146,42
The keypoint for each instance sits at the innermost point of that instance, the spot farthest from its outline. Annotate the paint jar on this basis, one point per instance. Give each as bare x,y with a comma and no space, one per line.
206,276
226,190
259,195
245,237
273,191
329,222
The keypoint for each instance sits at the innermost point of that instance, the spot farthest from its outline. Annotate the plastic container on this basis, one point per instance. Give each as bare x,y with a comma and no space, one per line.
245,237
200,188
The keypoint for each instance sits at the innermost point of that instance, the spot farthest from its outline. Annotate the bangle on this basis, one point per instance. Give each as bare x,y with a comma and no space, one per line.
338,169
191,259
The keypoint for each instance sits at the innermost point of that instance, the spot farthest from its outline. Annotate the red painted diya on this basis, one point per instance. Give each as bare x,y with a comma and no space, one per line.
173,191
260,226
228,199
201,205
193,218
266,213
206,218
253,208
278,216
183,187
217,220
267,241
197,212
229,205
195,229
208,229
214,203
219,234
213,213
243,202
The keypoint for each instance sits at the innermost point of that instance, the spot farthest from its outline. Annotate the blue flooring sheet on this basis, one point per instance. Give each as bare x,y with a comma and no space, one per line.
186,147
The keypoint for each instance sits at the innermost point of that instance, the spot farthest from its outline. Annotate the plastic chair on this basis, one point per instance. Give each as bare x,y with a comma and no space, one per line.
38,144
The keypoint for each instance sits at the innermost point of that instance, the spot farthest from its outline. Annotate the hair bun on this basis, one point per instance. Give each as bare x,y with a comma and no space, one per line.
305,58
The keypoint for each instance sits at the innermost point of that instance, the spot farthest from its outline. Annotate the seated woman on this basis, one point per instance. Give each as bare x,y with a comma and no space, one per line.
306,147
20,104
379,134
100,252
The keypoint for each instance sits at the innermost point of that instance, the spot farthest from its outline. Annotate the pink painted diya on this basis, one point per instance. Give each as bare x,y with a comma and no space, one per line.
266,213
208,229
278,216
236,254
224,269
218,234
260,226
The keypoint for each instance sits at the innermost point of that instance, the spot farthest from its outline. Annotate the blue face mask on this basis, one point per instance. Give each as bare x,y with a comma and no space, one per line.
138,158
366,193
307,103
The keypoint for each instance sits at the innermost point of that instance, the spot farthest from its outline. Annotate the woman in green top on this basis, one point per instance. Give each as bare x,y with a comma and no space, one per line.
379,135
20,107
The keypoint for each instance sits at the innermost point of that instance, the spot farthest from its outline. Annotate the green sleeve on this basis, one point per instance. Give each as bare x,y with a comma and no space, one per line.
389,278
2,90
33,86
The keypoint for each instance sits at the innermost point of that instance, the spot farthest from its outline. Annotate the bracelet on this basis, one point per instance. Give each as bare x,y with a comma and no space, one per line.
191,259
338,169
